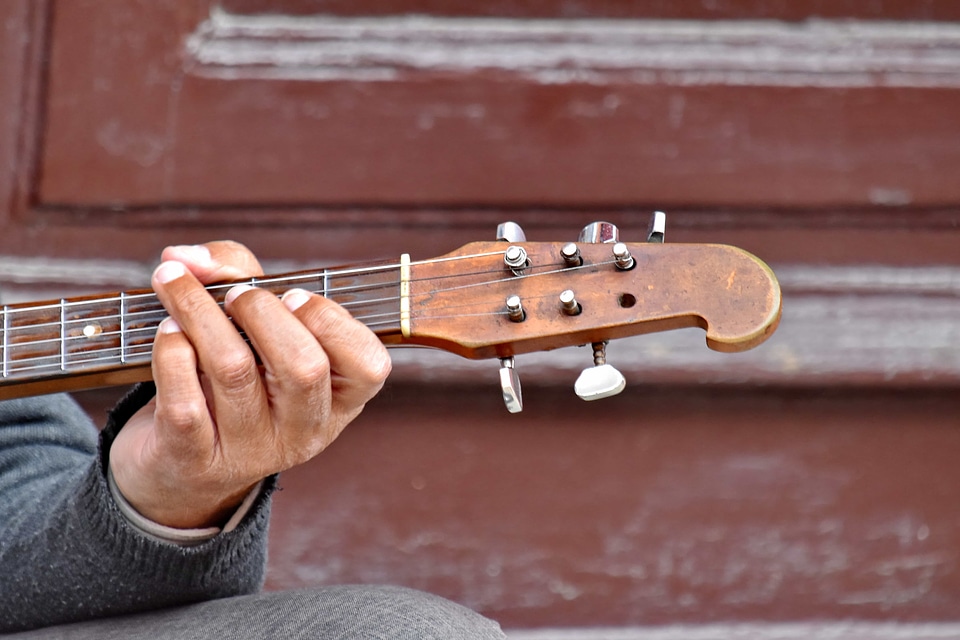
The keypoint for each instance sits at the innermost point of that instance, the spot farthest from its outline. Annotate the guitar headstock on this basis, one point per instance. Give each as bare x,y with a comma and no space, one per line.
504,298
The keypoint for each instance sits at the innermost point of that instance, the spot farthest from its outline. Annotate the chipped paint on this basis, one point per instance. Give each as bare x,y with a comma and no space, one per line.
817,53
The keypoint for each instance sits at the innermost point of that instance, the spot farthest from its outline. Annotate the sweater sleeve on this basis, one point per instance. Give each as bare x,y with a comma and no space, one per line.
68,554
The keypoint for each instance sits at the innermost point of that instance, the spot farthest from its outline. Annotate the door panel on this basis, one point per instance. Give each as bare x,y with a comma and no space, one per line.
438,111
810,479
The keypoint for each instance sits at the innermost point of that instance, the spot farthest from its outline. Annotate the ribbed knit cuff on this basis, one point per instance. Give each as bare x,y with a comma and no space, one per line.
132,402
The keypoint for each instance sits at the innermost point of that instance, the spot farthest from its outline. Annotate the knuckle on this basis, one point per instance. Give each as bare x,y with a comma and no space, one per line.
376,366
309,372
181,415
236,369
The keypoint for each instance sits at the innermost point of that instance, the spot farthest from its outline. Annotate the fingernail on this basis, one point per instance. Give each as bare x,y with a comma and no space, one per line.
169,325
169,271
295,298
236,292
193,253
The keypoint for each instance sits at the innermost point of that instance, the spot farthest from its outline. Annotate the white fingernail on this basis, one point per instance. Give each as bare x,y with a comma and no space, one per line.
169,271
236,292
295,298
169,325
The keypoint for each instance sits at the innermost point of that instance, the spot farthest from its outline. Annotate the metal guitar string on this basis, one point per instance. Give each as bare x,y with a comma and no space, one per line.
145,348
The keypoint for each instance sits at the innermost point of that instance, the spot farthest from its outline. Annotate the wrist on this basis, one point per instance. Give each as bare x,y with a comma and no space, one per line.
171,502
178,535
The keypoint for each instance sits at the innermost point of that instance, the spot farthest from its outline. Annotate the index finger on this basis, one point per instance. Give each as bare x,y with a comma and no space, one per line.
223,354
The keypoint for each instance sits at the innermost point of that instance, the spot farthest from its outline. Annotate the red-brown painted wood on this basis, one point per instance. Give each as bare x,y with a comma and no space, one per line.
165,92
655,507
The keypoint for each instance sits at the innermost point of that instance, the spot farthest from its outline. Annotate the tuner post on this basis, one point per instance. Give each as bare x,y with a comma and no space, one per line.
570,253
621,254
515,258
569,304
515,309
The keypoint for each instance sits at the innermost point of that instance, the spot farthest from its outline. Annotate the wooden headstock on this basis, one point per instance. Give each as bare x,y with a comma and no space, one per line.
459,302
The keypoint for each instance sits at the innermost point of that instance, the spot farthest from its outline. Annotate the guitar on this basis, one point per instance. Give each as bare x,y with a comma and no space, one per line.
484,300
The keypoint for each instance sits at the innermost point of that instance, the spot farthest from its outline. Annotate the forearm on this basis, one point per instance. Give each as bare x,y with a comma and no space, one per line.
66,551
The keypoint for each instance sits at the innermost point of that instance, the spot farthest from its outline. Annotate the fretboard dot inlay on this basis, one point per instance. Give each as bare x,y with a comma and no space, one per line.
92,330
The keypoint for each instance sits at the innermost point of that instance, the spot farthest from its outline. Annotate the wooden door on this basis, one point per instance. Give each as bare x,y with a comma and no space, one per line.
810,479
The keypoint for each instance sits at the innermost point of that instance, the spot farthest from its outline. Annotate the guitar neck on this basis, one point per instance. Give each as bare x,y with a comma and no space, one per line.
104,340
483,300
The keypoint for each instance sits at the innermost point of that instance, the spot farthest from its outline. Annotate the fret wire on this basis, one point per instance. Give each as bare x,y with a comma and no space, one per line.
138,314
63,336
325,276
134,350
153,327
151,297
6,339
123,334
346,304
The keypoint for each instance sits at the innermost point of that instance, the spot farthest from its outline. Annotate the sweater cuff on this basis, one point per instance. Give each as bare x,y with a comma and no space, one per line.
135,400
182,537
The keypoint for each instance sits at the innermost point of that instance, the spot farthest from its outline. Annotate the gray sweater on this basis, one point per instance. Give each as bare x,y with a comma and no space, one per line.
68,554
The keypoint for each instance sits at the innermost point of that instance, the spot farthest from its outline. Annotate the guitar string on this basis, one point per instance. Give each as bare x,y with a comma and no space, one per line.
150,296
103,354
160,313
393,317
131,299
158,308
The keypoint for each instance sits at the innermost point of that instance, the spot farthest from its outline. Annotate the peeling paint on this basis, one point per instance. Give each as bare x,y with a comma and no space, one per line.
820,53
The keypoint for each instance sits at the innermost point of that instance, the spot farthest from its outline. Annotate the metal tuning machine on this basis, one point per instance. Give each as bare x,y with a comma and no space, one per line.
510,386
509,378
602,380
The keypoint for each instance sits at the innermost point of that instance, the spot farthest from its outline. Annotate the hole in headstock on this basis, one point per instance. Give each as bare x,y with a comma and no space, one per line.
627,300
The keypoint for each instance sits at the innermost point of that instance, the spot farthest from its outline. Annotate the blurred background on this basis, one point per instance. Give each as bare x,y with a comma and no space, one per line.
810,481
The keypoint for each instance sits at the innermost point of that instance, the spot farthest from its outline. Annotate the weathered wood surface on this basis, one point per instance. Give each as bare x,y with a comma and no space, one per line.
655,507
432,111
752,496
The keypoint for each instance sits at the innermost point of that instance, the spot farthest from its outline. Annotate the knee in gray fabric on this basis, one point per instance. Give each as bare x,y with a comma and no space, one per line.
386,613
326,613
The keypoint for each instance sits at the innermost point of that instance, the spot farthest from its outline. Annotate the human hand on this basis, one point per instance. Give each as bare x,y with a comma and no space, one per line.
219,422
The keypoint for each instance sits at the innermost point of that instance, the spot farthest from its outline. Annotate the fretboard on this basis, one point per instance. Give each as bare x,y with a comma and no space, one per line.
111,336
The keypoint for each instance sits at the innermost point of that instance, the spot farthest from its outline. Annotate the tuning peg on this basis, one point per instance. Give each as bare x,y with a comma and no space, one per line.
510,232
510,385
601,380
600,232
658,227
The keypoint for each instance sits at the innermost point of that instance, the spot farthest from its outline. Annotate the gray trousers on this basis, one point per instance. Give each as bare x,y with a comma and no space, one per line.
329,613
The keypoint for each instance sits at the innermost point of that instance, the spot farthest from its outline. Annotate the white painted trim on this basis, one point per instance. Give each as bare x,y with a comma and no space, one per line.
34,270
683,52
